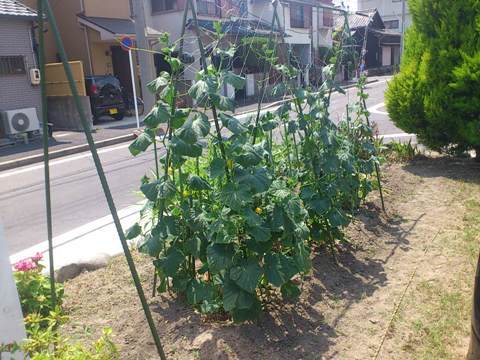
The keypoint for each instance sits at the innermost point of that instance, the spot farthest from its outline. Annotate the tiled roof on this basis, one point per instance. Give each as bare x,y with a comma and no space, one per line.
15,8
356,20
115,26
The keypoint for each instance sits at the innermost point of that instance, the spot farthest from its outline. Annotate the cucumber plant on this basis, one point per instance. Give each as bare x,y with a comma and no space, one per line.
232,210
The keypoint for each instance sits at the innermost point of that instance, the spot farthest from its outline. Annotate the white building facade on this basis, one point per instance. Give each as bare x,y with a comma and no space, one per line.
390,11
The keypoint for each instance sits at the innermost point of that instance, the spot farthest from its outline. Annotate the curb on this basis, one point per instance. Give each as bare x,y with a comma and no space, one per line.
7,165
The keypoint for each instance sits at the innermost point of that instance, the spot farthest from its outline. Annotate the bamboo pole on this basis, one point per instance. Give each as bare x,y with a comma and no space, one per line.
102,177
46,167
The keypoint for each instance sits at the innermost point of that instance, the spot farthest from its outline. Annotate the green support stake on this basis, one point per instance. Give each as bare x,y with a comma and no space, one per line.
377,168
48,203
101,175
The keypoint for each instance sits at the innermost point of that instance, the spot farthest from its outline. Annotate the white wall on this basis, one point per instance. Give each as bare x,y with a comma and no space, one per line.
388,9
11,318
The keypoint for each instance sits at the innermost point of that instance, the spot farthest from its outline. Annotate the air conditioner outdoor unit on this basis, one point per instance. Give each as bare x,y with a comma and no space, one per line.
19,121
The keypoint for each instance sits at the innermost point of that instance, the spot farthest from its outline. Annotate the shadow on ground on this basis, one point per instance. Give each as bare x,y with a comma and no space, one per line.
464,169
299,330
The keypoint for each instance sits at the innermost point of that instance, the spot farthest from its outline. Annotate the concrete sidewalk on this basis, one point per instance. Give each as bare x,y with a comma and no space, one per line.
92,243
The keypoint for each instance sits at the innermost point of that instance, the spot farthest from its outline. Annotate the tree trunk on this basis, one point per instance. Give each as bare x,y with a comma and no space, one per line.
474,349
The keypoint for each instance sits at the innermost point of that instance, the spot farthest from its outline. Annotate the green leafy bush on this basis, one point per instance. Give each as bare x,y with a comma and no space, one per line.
34,288
435,95
43,320
231,212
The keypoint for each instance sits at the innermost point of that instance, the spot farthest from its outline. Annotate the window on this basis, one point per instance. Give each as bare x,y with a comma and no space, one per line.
12,65
327,18
300,16
163,5
209,8
392,24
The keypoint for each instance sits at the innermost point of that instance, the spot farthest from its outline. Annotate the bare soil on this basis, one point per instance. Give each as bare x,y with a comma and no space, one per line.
347,300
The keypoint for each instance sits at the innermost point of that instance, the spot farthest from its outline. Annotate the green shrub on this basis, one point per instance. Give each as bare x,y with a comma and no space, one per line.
43,320
436,95
34,288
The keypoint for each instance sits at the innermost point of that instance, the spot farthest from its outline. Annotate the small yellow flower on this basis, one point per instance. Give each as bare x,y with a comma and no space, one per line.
258,210
170,171
230,164
185,193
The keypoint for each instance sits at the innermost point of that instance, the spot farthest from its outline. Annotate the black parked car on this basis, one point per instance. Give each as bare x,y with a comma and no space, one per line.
106,97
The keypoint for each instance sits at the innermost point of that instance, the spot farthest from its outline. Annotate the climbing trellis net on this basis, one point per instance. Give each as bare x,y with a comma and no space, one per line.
260,47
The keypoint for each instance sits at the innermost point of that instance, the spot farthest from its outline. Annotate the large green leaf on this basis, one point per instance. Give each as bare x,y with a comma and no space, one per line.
217,168
133,231
257,181
231,292
140,144
235,298
182,148
194,128
223,103
219,257
150,190
199,91
302,257
290,291
199,291
158,115
152,245
259,233
170,264
240,315
235,80
158,189
232,124
279,268
337,219
251,217
197,183
247,275
235,196
156,85
250,156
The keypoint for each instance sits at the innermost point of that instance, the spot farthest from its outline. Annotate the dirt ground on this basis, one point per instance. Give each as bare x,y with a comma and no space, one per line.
347,301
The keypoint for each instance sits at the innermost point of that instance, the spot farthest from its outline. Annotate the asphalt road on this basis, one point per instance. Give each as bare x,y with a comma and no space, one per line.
77,197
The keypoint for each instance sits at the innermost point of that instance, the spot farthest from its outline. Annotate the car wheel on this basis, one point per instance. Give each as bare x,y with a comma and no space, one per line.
119,116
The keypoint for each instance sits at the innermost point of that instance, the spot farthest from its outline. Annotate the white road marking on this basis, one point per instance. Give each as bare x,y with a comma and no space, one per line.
61,135
374,109
61,161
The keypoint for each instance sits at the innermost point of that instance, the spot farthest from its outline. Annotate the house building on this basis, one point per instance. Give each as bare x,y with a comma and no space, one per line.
376,46
305,25
390,11
17,58
90,31
308,28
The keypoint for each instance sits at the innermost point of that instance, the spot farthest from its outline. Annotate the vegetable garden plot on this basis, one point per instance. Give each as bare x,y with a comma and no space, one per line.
232,216
231,219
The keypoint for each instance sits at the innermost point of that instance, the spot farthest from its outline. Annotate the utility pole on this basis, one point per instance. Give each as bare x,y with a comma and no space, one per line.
402,40
145,58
